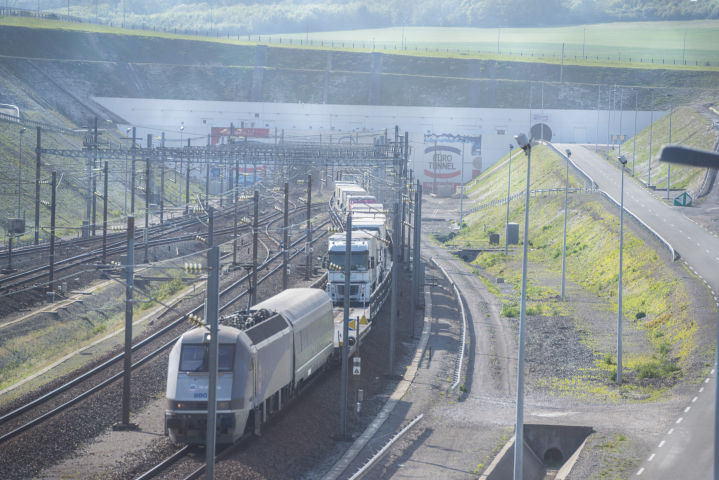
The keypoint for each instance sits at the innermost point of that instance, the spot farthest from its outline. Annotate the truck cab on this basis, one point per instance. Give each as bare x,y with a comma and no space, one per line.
364,271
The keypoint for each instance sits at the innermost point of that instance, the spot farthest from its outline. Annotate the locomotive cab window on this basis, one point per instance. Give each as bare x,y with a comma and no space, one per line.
195,358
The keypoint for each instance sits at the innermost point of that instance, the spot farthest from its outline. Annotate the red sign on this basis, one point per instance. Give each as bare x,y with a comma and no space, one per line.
218,132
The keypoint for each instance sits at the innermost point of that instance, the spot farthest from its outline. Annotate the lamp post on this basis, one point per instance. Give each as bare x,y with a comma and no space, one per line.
651,124
669,166
566,203
19,178
499,31
180,189
623,162
621,111
584,41
509,186
126,173
461,196
526,145
636,108
684,48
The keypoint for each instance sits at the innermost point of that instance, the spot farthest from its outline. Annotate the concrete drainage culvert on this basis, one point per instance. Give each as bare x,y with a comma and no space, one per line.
549,453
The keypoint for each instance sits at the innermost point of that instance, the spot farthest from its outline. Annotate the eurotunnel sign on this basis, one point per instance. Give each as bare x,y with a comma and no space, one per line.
442,157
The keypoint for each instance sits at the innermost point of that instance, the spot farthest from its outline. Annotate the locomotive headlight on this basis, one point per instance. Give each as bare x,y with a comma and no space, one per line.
223,405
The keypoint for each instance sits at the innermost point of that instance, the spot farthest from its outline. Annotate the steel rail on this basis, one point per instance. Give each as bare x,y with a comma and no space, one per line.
108,363
165,463
140,362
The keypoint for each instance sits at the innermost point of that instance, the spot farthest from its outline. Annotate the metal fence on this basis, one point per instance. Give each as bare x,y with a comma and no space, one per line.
32,123
675,255
23,12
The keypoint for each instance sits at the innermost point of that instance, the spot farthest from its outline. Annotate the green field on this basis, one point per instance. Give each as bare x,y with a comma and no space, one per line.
606,41
633,40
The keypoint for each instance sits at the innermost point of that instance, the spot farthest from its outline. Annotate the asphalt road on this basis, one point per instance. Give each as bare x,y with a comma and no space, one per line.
687,449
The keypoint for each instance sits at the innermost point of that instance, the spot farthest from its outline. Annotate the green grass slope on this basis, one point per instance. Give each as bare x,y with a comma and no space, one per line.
656,303
547,173
690,129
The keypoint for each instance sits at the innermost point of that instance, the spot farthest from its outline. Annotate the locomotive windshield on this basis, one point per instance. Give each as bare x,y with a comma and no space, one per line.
358,262
194,358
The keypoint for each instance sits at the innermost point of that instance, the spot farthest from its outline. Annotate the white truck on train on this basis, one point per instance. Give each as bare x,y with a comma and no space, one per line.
366,266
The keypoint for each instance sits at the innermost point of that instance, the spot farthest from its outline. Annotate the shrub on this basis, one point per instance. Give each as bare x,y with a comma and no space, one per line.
640,315
608,359
510,309
650,369
99,329
665,347
535,309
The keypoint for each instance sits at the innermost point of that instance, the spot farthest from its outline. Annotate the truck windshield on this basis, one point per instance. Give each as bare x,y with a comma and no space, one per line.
358,260
194,358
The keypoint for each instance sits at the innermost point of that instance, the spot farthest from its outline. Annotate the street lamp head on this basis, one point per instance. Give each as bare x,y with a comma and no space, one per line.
568,152
511,147
22,130
523,142
622,160
128,130
182,128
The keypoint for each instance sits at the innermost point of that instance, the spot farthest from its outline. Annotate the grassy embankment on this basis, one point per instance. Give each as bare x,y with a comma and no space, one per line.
631,39
655,300
689,129
34,349
321,41
71,175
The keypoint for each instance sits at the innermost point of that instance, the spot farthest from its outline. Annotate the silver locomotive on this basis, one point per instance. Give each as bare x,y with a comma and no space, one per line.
265,355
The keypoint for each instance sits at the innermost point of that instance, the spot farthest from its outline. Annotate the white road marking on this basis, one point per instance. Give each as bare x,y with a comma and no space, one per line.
680,420
694,399
651,457
706,381
686,410
661,444
670,431
640,471
701,390
712,372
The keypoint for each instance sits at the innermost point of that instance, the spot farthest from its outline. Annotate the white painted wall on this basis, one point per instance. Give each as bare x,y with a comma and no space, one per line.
495,127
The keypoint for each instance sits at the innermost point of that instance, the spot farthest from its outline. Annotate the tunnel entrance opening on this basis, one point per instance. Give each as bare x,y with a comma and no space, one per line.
553,458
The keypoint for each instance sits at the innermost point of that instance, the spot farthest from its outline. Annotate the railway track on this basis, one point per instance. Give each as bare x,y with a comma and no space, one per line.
160,230
21,279
223,450
45,407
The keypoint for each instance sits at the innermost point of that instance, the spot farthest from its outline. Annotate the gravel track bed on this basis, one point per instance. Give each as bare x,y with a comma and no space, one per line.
14,304
296,442
90,417
75,311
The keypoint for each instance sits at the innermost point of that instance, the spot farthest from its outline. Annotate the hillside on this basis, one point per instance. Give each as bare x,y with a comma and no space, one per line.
71,173
101,61
278,17
661,334
690,129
